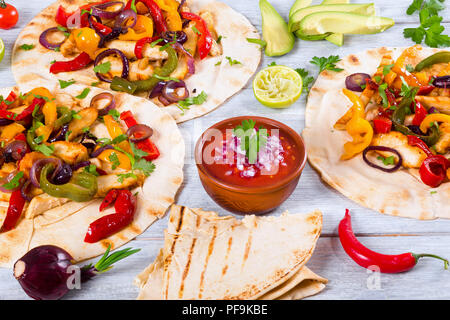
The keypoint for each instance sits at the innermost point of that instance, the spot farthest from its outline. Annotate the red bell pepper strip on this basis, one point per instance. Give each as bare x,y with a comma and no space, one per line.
367,258
101,28
108,225
29,110
11,98
420,114
146,145
62,15
433,170
109,199
391,97
78,63
382,124
371,84
424,90
205,39
140,45
417,142
4,114
16,204
155,12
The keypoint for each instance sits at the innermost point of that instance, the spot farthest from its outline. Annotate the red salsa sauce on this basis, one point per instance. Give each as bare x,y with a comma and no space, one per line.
226,161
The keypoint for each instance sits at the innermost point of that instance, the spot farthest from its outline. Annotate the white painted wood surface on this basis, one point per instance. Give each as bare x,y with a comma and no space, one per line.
384,233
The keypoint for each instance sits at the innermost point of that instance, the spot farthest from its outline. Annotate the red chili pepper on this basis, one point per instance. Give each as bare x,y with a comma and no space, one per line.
11,98
146,145
391,97
417,142
420,114
140,45
72,65
433,170
382,124
125,205
387,113
109,199
424,90
155,12
16,204
205,39
367,258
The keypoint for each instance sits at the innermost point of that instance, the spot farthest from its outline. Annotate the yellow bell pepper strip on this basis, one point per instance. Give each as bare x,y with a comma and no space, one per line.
173,19
114,131
410,53
142,29
123,159
86,40
358,127
37,92
431,118
10,131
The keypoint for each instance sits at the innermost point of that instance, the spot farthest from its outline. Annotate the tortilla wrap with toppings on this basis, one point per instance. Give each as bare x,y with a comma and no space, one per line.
64,223
400,193
207,256
220,75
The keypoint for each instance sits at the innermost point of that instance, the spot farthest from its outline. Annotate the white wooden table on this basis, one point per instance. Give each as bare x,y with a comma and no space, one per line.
384,233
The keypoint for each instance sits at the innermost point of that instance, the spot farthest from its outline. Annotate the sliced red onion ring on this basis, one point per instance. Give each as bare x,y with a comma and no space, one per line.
170,36
25,190
97,152
164,101
7,179
190,58
35,171
123,18
355,81
442,82
139,132
386,149
171,89
111,36
16,150
43,40
109,52
433,110
99,10
80,165
111,104
157,90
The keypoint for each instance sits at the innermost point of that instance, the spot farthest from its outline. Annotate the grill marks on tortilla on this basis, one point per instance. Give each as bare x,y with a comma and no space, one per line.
210,251
230,243
247,247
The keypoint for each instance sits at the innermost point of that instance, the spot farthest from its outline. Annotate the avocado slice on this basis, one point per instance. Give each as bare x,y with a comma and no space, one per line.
336,38
299,4
343,22
275,31
296,18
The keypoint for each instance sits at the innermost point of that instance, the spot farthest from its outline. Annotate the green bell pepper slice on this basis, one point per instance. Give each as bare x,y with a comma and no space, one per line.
81,188
440,57
120,84
65,116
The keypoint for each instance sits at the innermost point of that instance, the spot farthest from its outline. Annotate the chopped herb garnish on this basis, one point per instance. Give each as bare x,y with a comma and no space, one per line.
387,69
261,42
64,84
382,92
154,43
92,169
252,140
26,47
15,182
194,28
94,84
197,100
272,64
46,150
218,63
232,61
83,94
66,136
114,160
387,160
409,68
307,80
103,67
219,39
123,176
326,63
114,113
75,115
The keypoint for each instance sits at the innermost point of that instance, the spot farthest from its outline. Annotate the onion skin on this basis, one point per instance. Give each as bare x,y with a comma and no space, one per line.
42,272
354,81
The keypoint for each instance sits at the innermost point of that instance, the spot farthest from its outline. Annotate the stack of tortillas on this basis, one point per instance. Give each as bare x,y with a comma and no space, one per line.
206,256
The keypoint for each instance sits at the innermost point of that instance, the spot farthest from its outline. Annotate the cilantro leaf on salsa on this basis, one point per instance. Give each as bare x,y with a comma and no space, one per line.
252,139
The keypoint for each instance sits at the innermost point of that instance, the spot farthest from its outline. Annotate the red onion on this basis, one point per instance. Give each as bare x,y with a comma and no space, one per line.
15,150
112,35
43,40
25,191
61,135
139,132
5,122
80,165
62,175
386,149
442,82
433,110
35,171
164,101
157,90
171,90
109,52
97,152
122,20
111,104
355,81
44,272
177,36
2,157
100,11
190,58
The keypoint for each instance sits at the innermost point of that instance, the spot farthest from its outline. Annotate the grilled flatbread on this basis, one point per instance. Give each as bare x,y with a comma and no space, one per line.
207,256
61,222
401,193
214,75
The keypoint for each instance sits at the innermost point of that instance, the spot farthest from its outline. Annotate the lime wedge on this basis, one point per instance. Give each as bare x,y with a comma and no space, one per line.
2,49
277,86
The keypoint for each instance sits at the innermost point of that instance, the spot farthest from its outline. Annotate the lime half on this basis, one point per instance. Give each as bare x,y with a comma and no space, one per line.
2,49
277,86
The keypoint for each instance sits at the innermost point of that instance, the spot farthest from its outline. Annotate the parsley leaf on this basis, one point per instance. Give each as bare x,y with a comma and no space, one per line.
114,160
272,64
382,91
83,94
92,169
387,161
64,84
326,63
307,80
197,100
114,113
26,47
252,140
387,68
103,67
232,61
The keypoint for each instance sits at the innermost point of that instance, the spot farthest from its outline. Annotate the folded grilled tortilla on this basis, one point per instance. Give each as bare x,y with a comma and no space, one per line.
219,81
206,256
64,223
401,193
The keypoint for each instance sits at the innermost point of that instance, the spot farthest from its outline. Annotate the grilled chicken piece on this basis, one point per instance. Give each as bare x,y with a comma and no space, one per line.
443,143
440,103
70,152
43,203
111,181
27,162
69,47
88,117
140,70
191,44
412,156
127,47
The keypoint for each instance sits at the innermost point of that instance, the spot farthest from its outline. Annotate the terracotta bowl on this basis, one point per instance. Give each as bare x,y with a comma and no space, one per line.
244,199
